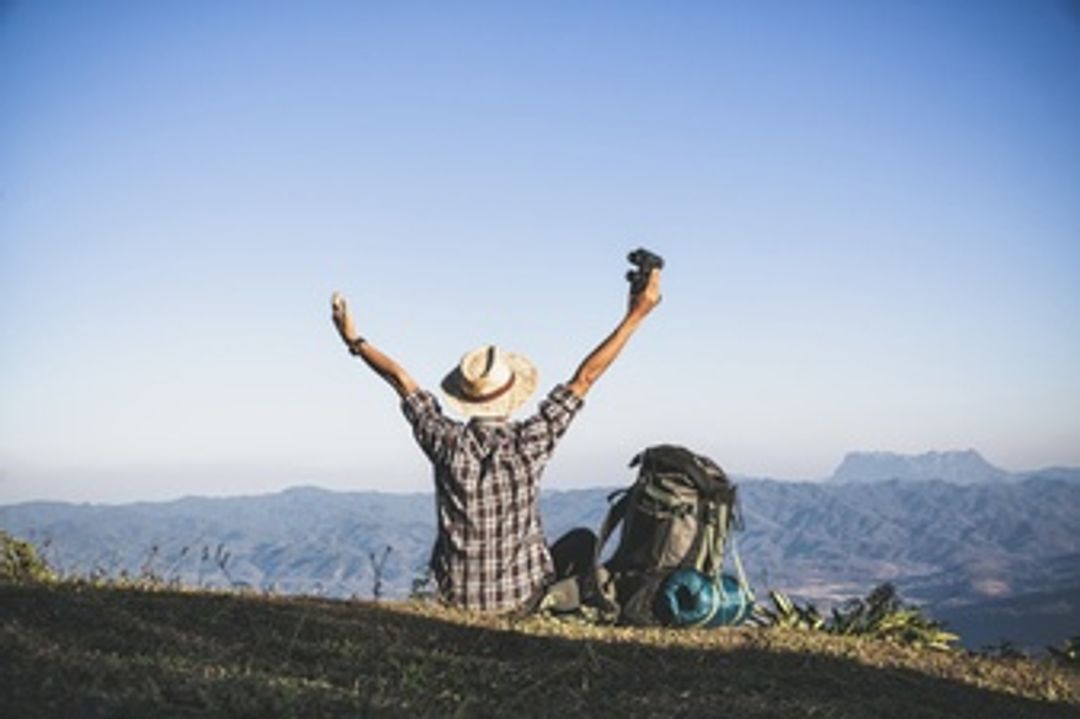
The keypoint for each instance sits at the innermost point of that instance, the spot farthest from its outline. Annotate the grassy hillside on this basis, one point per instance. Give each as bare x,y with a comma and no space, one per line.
77,650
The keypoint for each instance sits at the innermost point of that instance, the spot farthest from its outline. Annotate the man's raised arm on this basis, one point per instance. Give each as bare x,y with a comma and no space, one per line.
641,304
385,367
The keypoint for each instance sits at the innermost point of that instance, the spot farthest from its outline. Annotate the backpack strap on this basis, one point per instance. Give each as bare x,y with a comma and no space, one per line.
740,573
614,516
707,552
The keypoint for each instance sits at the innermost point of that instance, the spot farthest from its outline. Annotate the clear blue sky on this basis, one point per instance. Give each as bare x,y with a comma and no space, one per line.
870,211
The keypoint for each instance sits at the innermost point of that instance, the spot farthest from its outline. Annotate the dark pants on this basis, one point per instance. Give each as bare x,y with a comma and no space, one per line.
574,553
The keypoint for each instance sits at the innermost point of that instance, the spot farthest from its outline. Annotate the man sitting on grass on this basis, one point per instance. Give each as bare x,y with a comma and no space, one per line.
490,552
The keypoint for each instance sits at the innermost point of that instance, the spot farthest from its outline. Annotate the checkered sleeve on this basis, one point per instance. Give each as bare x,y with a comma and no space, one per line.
540,432
434,432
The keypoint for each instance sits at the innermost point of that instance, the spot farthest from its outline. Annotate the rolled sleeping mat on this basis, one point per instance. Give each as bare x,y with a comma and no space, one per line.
689,598
736,605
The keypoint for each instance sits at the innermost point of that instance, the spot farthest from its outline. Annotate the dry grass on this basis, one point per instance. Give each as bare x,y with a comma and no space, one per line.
78,650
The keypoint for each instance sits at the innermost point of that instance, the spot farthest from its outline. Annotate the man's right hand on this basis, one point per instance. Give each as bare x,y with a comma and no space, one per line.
643,302
387,368
343,319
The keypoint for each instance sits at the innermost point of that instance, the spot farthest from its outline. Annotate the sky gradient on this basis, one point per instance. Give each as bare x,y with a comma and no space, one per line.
870,214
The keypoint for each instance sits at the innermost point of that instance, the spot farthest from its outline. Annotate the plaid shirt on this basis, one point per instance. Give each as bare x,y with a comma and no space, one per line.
490,552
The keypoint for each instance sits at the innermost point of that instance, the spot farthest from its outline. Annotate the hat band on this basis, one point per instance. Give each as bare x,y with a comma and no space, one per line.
495,394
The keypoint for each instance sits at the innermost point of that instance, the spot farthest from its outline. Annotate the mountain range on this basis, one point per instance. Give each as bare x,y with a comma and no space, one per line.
954,466
966,546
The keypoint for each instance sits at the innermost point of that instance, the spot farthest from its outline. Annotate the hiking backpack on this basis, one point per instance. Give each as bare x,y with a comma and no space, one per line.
677,519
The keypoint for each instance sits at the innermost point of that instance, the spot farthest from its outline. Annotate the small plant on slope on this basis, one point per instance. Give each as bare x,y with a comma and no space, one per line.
881,615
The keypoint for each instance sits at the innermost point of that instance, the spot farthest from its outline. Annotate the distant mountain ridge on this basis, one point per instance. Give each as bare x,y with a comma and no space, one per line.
952,466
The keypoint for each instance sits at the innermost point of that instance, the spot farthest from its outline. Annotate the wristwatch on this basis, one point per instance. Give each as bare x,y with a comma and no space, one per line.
354,345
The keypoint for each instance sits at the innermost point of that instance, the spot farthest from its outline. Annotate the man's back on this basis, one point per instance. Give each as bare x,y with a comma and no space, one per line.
490,552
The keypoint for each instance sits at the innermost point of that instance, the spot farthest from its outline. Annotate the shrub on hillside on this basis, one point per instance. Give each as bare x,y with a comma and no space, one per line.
19,562
1068,652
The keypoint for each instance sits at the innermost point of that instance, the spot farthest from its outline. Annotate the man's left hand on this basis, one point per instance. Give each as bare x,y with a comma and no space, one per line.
643,302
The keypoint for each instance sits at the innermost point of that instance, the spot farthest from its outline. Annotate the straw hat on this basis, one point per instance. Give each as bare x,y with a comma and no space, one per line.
489,383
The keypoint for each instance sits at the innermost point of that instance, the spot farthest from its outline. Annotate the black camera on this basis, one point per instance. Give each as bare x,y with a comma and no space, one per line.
646,262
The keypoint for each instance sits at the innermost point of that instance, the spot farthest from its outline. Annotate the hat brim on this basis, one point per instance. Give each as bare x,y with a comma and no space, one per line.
525,379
